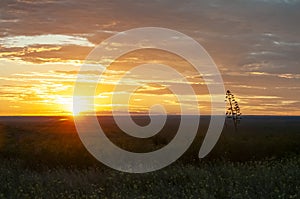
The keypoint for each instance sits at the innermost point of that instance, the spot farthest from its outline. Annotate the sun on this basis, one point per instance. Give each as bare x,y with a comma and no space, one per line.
81,105
65,104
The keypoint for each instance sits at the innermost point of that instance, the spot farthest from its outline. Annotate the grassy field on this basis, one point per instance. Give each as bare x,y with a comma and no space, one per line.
43,157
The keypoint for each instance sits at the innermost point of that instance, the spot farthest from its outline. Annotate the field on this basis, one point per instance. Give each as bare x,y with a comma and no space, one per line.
43,157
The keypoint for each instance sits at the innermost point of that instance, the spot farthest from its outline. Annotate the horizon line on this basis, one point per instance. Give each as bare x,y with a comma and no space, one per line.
99,115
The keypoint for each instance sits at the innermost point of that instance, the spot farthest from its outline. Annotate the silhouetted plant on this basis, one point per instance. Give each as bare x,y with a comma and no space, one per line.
233,110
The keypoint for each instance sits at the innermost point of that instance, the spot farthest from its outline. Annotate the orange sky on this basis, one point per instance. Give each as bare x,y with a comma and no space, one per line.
44,43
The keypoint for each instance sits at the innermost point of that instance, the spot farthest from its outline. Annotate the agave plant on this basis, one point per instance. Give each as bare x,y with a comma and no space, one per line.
233,110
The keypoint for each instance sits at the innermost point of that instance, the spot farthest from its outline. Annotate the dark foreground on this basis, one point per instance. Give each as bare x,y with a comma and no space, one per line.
43,157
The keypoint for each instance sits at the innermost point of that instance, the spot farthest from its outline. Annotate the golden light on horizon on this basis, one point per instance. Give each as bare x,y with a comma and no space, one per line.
66,103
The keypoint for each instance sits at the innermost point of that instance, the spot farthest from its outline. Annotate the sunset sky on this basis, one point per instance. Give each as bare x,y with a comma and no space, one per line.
255,44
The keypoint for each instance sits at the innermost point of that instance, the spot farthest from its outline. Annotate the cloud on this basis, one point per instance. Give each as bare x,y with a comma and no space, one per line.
47,53
285,75
279,1
49,39
9,20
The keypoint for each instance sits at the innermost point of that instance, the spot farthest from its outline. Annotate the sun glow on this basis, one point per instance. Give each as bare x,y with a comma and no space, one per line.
82,105
66,103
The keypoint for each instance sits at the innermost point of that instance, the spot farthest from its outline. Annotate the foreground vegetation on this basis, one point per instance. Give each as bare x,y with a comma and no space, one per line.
259,179
47,160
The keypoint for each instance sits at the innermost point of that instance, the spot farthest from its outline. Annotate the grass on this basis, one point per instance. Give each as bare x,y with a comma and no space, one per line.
219,179
47,160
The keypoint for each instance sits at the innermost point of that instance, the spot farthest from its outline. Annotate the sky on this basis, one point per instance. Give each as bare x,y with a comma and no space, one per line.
254,43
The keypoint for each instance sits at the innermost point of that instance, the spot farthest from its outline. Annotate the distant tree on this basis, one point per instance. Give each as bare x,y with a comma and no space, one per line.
233,110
